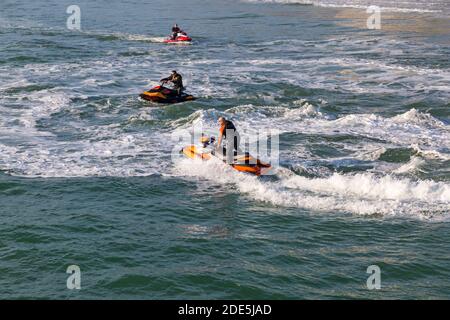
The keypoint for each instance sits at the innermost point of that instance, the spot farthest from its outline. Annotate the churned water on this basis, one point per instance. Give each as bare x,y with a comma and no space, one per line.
87,175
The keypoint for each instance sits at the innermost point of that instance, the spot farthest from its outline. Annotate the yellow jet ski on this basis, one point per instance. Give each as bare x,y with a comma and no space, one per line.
242,162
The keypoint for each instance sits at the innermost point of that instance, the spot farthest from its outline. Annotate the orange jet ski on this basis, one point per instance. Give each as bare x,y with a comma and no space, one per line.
163,94
242,162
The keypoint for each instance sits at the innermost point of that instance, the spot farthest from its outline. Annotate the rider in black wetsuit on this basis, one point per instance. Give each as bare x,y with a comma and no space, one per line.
177,81
226,126
175,31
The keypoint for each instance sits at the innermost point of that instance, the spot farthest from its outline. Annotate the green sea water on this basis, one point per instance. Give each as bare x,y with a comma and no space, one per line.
89,176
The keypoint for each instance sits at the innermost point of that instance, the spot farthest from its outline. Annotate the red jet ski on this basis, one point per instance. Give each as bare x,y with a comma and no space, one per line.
181,38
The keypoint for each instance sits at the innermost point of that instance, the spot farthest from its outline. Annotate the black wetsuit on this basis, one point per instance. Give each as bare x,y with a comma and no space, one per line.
175,32
177,81
231,129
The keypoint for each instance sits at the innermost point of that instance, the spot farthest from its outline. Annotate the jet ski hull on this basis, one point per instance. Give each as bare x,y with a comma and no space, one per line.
180,40
164,99
242,162
161,94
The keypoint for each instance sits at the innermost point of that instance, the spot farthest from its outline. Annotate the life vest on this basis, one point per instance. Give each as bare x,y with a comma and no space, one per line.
228,126
177,80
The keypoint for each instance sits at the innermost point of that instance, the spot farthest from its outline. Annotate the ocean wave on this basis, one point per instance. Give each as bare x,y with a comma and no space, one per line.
340,74
123,155
103,35
388,6
364,194
411,127
412,166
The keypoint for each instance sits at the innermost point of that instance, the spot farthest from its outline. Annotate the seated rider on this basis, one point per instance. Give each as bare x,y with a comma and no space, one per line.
206,141
227,128
175,31
177,81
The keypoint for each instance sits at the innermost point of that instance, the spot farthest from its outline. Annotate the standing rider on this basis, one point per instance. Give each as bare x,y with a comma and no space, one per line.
177,81
227,127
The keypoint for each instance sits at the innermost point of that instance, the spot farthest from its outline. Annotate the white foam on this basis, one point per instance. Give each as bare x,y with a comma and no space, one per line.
413,116
145,38
352,74
122,156
411,127
111,151
364,194
412,166
430,154
14,84
436,6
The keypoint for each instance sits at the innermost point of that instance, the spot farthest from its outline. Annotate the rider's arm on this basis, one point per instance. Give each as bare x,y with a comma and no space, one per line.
167,79
219,141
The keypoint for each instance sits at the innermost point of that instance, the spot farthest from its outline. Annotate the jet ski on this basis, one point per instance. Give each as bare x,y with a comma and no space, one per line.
181,38
242,162
163,94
